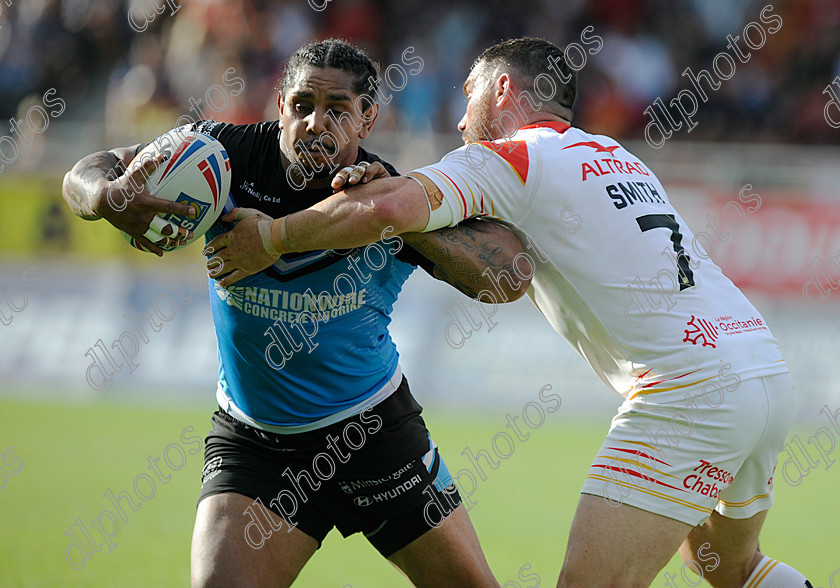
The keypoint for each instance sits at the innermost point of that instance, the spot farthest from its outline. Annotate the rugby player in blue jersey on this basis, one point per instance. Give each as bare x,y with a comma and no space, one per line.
316,428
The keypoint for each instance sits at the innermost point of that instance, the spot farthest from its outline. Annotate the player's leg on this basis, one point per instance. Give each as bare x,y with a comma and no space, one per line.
221,555
736,559
406,503
423,530
672,458
617,545
448,555
241,535
731,532
734,543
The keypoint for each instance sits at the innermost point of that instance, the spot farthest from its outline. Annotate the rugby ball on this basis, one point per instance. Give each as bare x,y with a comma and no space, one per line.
196,171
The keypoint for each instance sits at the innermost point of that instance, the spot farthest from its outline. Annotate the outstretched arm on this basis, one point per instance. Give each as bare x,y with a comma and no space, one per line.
351,218
471,256
356,216
476,256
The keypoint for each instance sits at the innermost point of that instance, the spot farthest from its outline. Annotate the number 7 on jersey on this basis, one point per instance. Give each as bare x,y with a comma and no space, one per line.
667,221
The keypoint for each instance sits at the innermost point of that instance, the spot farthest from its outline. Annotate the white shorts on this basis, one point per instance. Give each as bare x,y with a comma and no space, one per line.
685,457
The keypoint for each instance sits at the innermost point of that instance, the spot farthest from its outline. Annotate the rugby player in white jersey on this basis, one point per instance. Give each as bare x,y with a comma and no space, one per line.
688,463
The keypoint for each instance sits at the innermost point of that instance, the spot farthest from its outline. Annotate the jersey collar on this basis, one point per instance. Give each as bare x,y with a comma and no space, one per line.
558,126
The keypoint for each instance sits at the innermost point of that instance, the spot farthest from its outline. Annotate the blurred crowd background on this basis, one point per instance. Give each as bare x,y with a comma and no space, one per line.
762,132
132,81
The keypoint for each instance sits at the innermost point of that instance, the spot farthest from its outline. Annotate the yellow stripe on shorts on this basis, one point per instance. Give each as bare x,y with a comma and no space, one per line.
746,502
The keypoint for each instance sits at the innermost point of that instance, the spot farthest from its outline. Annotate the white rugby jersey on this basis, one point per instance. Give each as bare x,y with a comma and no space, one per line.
618,272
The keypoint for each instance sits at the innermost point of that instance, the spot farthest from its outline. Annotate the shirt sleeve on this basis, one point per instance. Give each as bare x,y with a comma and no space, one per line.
483,179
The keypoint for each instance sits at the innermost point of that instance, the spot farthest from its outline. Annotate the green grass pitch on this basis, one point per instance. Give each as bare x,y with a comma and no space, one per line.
66,456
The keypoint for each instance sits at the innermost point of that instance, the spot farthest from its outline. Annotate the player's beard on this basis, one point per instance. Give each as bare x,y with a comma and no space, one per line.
481,128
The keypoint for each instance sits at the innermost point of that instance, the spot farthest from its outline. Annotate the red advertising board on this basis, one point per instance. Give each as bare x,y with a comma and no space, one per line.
777,242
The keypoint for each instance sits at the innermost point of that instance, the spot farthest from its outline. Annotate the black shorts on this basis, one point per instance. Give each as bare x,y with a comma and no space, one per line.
378,472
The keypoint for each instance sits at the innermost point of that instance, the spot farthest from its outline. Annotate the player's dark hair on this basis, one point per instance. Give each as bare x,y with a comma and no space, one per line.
531,57
337,54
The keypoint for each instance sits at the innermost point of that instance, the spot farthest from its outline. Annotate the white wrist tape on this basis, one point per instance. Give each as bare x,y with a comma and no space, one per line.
284,238
264,228
439,217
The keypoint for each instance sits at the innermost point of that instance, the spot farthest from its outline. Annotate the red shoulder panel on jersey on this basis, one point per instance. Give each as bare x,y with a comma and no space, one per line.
515,153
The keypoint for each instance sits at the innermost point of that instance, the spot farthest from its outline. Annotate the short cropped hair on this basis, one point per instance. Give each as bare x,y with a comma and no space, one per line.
338,54
531,57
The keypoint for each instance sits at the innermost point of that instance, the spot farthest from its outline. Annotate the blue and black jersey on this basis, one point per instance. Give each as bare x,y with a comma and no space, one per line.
305,342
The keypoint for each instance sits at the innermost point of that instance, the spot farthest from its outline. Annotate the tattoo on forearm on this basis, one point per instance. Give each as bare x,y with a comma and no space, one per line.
462,257
78,190
444,276
79,204
102,163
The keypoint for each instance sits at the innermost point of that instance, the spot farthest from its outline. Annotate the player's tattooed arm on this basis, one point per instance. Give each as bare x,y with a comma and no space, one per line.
85,184
82,183
104,185
477,258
